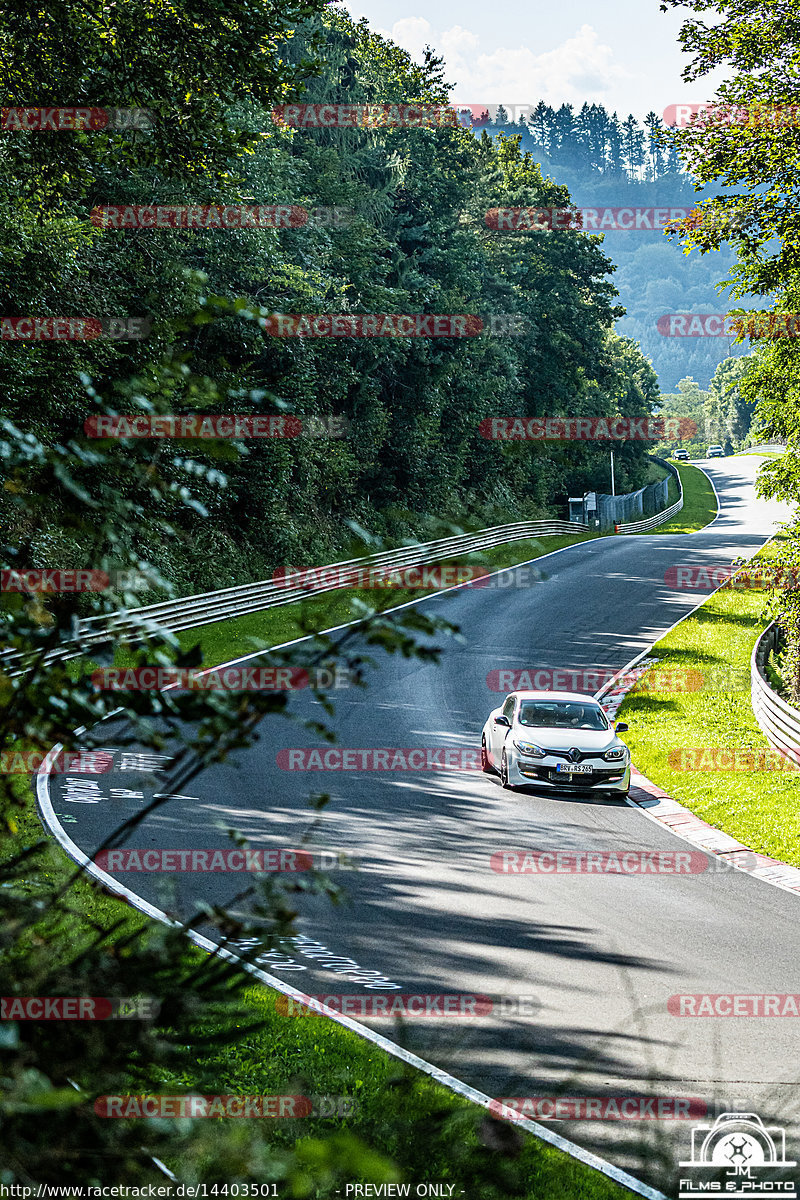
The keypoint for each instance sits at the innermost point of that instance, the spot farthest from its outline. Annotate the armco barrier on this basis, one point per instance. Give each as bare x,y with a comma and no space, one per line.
659,518
188,612
778,721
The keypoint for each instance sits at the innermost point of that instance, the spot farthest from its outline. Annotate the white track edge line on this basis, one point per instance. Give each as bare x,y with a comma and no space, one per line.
441,1077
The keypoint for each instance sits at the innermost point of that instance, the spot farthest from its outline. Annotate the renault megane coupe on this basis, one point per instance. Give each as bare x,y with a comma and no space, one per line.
556,740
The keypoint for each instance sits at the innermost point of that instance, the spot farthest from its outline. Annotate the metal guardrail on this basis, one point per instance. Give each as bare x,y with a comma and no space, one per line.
188,612
659,518
778,721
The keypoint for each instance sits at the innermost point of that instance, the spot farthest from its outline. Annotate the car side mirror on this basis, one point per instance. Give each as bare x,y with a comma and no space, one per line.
501,720
620,727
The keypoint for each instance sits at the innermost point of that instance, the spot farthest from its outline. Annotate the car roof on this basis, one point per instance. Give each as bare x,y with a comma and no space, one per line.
578,697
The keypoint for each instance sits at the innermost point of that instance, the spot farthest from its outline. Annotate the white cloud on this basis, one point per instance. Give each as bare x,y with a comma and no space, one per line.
413,34
581,68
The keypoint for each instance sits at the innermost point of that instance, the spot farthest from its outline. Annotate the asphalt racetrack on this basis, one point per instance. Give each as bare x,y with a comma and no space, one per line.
589,960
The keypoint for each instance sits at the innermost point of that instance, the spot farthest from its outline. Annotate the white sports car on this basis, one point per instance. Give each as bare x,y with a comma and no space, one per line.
556,740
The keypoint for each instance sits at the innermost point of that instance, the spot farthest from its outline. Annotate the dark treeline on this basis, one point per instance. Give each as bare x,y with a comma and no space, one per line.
590,140
417,242
609,162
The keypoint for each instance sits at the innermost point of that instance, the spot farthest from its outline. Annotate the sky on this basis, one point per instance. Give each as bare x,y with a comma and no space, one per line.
623,54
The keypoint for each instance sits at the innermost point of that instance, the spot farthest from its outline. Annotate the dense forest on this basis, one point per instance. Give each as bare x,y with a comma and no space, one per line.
397,226
390,444
609,163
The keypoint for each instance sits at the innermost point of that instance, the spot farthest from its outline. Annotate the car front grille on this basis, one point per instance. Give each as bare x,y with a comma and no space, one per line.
550,775
567,756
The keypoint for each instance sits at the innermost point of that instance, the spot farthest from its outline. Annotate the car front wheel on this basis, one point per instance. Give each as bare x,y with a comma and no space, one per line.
504,774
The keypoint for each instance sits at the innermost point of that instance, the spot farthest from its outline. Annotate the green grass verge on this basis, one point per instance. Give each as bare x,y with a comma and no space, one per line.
655,472
428,1133
699,503
760,808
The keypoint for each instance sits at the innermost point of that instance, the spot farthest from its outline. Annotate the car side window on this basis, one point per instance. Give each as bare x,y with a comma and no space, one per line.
508,708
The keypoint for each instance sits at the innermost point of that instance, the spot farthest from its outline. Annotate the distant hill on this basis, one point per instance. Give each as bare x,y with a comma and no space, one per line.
608,163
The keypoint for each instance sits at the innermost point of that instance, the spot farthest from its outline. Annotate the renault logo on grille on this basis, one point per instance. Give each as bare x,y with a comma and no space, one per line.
575,754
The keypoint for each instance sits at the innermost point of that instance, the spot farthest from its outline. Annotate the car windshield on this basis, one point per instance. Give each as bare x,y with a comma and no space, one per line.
553,714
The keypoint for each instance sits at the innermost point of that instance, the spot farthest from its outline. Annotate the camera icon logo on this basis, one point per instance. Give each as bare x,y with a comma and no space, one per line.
739,1141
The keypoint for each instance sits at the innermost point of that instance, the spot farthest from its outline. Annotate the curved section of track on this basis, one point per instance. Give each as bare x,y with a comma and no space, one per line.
591,959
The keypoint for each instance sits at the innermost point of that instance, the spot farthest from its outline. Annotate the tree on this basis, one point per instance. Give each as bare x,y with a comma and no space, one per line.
615,150
633,146
729,414
688,404
541,125
748,143
655,149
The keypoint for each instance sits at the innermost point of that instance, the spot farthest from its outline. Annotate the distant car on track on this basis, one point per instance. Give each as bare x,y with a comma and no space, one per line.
681,455
555,740
715,452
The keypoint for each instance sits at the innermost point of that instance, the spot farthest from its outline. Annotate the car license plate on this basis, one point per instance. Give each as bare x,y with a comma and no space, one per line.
573,768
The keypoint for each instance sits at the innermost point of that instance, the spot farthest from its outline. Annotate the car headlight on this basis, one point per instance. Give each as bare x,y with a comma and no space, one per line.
529,749
616,755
